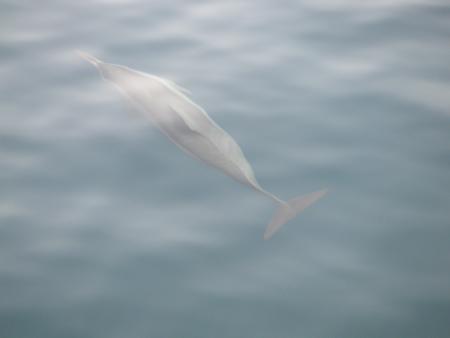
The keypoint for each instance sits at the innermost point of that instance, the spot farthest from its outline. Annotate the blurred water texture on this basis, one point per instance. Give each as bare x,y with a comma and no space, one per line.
108,230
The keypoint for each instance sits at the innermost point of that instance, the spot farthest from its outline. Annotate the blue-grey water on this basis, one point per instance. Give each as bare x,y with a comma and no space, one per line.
108,230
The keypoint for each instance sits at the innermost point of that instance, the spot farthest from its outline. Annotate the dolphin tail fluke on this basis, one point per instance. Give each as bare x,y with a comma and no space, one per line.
288,210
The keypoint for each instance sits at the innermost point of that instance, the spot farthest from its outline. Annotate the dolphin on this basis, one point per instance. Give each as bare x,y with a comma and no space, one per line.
187,125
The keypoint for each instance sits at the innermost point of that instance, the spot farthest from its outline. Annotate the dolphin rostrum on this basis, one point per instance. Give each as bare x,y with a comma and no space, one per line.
188,126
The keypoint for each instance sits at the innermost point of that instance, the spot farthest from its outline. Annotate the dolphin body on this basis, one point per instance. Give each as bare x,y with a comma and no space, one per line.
188,126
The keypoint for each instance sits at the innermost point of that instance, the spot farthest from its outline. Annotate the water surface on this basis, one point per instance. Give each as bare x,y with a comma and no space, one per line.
108,230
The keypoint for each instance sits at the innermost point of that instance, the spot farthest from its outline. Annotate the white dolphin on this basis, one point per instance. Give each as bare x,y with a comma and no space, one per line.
190,128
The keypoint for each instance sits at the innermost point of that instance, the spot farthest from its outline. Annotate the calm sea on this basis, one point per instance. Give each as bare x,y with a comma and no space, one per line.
108,230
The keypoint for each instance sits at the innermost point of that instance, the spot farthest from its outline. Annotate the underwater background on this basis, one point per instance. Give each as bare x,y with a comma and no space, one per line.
108,230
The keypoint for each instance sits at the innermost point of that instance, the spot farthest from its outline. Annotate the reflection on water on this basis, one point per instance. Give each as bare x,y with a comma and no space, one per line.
107,230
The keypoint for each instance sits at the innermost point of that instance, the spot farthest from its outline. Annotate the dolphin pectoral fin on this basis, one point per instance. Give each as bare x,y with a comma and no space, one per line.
290,209
177,86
